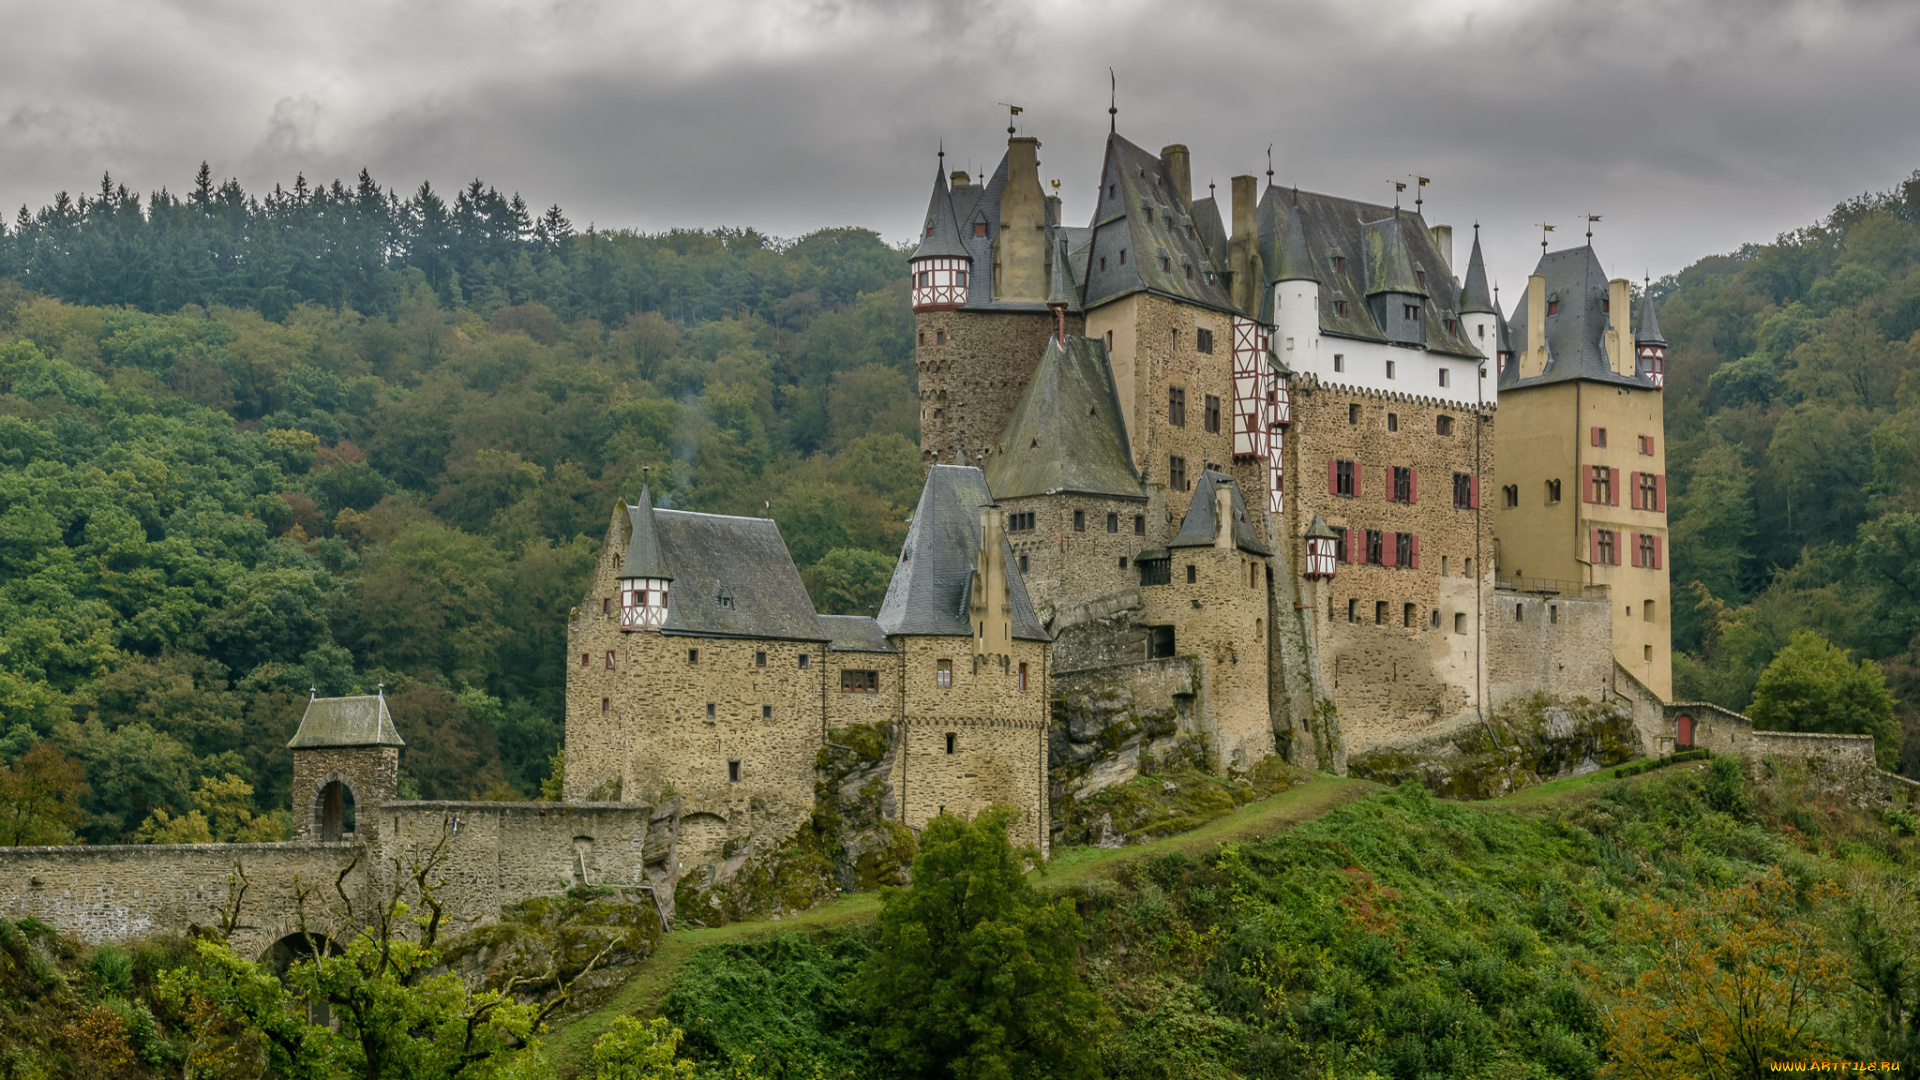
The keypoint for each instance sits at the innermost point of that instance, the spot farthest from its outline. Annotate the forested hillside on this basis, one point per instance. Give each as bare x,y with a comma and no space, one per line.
1793,426
332,438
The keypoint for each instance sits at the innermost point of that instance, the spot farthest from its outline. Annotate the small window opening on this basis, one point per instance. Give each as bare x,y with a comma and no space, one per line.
950,741
712,710
1190,574
760,658
733,772
693,656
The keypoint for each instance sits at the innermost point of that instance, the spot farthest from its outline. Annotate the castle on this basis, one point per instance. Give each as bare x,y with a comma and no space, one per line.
1276,471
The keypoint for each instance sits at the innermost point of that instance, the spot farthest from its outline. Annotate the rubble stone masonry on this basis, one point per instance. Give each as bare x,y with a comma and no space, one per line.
973,366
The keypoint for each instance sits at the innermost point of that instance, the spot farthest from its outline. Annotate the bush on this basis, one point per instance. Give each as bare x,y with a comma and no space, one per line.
1726,788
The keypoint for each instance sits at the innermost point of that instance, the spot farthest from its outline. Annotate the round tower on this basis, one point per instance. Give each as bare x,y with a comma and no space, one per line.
1479,317
1650,349
1296,298
940,265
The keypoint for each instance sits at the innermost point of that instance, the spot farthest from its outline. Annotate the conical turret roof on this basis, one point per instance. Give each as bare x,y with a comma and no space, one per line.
940,233
1318,529
1649,331
1294,263
1062,290
1474,297
644,558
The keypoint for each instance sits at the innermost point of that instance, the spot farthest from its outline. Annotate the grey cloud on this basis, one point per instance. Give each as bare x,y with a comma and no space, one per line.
1692,126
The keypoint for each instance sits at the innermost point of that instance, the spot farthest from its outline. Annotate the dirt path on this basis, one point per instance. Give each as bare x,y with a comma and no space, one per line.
570,1044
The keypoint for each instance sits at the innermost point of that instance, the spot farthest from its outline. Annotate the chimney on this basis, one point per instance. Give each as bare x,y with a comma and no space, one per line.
1619,326
1243,248
1179,170
1223,513
992,612
960,178
1535,360
1020,256
1443,239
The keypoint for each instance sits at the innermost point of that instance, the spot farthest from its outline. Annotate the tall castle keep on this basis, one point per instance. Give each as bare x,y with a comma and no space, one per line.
1252,443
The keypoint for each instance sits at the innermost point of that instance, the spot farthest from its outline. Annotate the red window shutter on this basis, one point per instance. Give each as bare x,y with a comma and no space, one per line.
1633,539
1660,493
1659,552
1613,487
1586,481
1593,436
1387,550
1416,551
1353,545
1633,490
1413,485
1358,472
1333,477
1473,491
1593,545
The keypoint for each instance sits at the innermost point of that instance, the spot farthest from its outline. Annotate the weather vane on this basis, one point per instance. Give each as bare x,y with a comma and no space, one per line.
1419,191
1544,230
1012,111
1591,218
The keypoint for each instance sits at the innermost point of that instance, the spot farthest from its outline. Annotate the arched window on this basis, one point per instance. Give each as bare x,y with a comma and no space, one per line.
333,811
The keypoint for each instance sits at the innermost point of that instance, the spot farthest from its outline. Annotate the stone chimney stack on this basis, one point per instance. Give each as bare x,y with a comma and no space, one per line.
1020,253
1620,355
1243,247
1179,167
1443,239
1223,514
1535,360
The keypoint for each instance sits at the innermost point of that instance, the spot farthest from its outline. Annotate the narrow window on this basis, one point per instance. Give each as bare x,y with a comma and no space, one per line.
1177,406
1213,413
1177,473
1023,564
1190,574
1123,562
1343,472
939,337
1646,611
1435,619
1606,545
693,656
1380,613
943,673
1339,307
1646,445
1339,362
1649,492
950,738
1166,264
1510,495
1113,523
711,710
1079,521
760,658
1139,524
1353,414
1553,307
1393,419
1459,622
584,660
1376,547
1599,435
1403,550
1519,612
1123,256
1553,613
733,772
606,605
1203,340
804,661
1339,264
1462,491
923,337
609,659
1023,678
1402,484
1602,485
1389,369
1103,269
766,712
1444,373
1353,611
1407,615
1553,491
606,704
1646,653
1443,425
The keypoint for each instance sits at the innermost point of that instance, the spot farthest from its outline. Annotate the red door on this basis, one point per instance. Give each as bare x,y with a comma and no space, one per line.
1683,738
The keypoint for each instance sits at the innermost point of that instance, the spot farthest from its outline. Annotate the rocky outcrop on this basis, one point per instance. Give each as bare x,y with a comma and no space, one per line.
1525,742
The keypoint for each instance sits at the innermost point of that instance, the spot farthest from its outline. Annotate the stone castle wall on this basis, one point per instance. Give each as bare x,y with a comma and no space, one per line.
1063,565
1558,645
371,774
1219,619
973,366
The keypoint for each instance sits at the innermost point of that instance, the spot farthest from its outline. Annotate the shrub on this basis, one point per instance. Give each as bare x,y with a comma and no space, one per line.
1726,788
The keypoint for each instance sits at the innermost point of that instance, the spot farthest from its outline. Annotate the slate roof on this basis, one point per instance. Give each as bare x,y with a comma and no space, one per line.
1210,223
1390,262
1293,263
346,721
1576,334
1066,433
643,558
732,576
855,633
1649,332
1340,227
1062,289
939,232
1198,528
1145,219
1474,297
931,587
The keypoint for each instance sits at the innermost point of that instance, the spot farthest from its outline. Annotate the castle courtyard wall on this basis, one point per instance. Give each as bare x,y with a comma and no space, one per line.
1560,645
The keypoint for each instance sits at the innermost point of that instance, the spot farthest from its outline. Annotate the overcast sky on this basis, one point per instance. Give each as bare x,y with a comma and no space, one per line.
1692,126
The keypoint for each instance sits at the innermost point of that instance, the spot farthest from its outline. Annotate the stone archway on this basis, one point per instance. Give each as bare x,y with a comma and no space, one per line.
280,957
332,811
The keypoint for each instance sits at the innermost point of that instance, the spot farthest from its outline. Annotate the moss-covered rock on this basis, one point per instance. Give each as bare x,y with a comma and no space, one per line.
1525,742
548,941
1164,803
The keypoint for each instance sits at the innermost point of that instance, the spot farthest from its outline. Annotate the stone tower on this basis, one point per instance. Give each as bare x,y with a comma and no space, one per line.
346,765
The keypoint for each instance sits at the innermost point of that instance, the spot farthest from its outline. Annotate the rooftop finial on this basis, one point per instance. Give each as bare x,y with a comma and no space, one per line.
380,689
1419,191
1591,218
1269,164
1113,103
1012,111
1398,187
943,152
1209,189
1544,230
312,692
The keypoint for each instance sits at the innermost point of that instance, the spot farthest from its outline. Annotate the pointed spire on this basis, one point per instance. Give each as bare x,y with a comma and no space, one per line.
1294,263
939,232
1474,298
1649,332
1113,103
1318,529
644,557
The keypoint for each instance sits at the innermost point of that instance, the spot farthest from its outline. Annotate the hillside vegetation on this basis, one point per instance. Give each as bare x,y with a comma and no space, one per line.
333,439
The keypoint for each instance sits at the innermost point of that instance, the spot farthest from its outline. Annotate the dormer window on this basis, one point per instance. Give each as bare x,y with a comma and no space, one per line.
1123,256
979,228
1420,276
1113,191
1339,307
1166,264
1339,263
1553,307
724,599
1412,312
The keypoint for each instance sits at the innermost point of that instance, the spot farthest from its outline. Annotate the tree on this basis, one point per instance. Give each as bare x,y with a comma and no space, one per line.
973,973
40,798
1811,685
640,1050
1720,985
222,813
849,581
